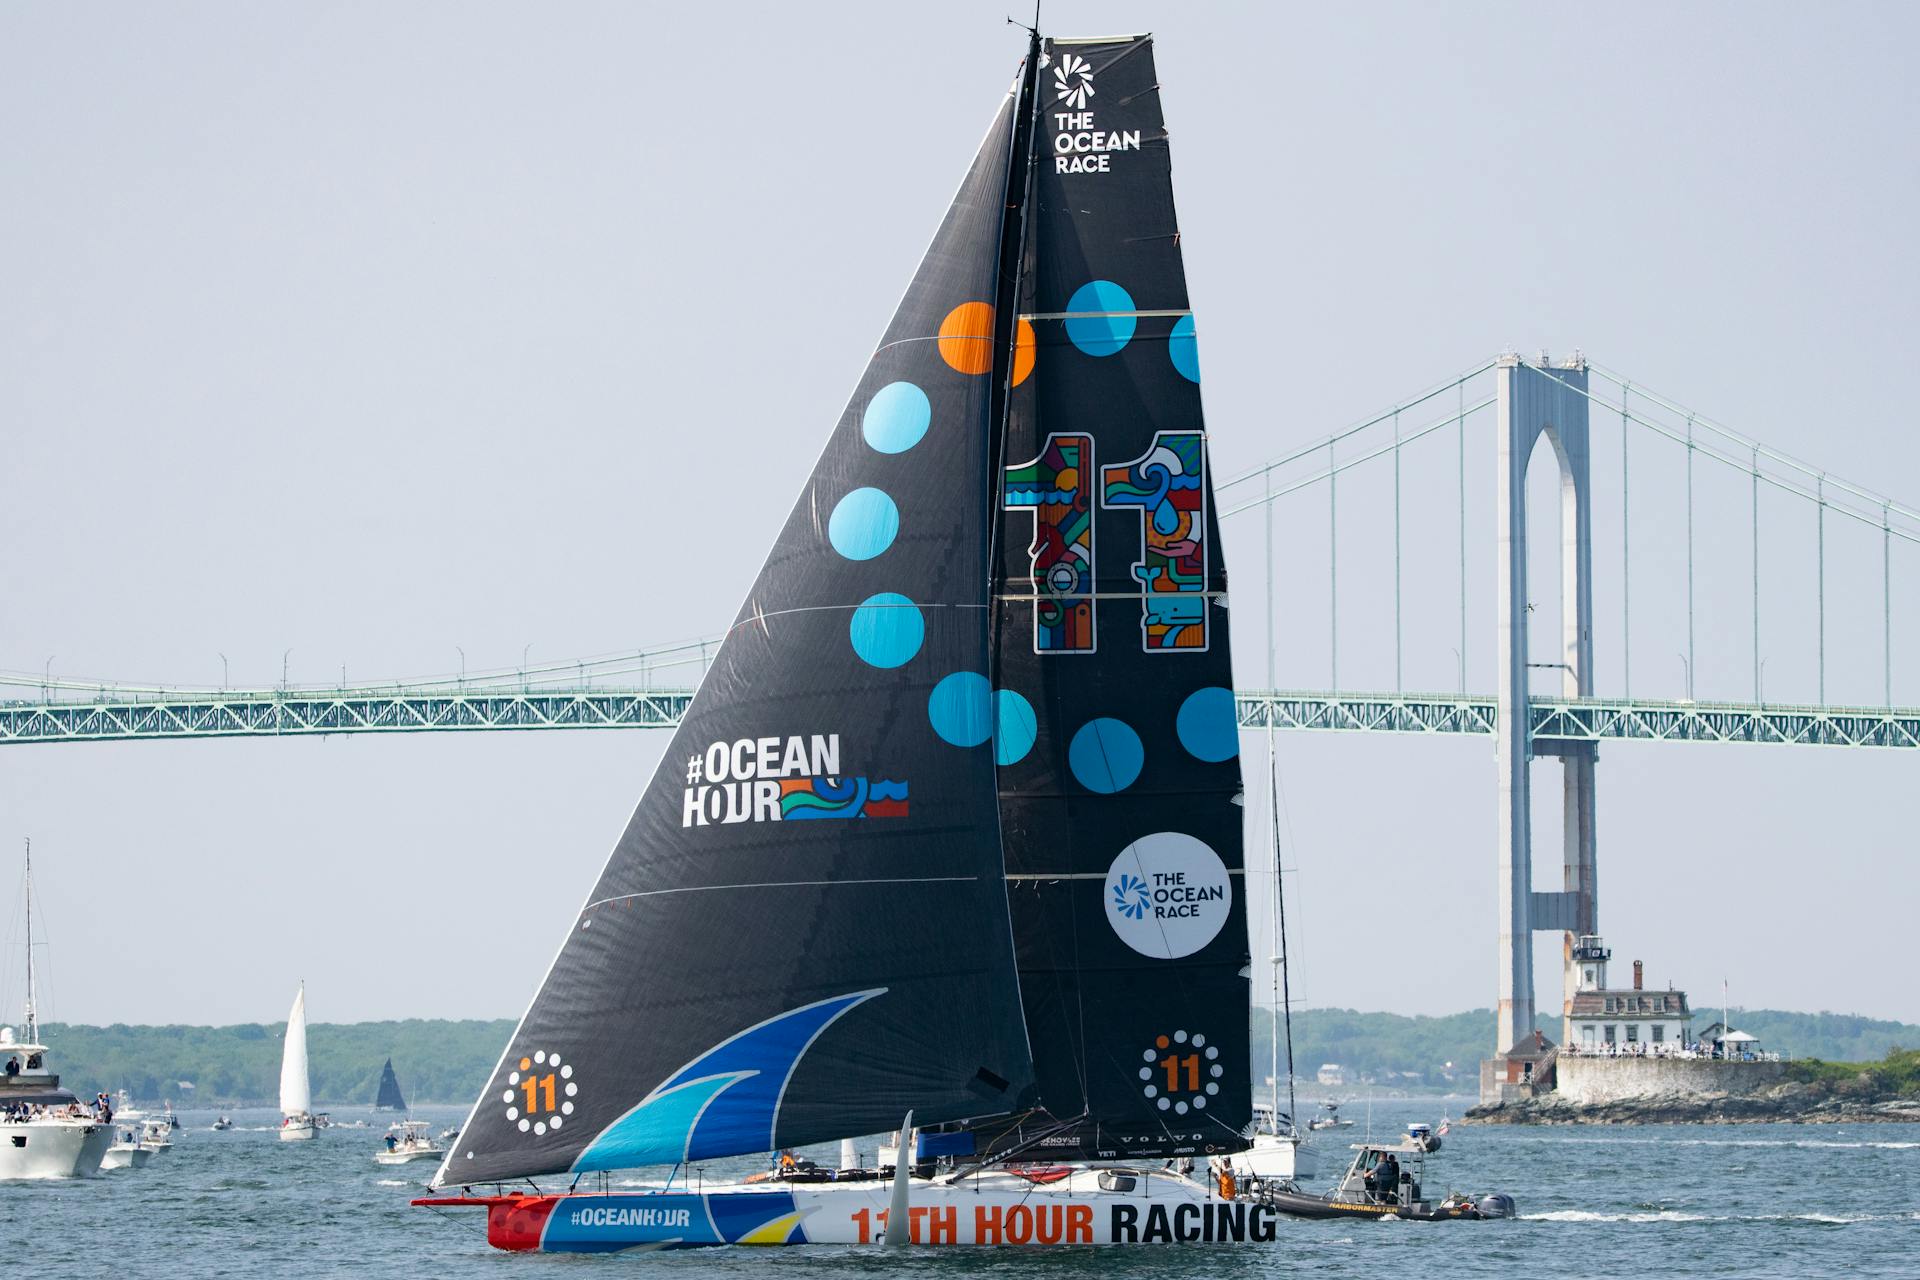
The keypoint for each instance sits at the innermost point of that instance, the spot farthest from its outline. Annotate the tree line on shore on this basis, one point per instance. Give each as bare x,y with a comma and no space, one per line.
442,1061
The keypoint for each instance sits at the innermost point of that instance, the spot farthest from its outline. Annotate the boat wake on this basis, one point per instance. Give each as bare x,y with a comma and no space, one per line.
1803,1143
1678,1215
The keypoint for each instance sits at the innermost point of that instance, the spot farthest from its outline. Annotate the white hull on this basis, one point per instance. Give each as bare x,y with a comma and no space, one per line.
301,1132
1272,1159
404,1156
996,1210
53,1148
125,1156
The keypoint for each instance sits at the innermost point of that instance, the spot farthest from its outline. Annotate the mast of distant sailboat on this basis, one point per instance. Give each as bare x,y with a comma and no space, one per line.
32,1012
1277,946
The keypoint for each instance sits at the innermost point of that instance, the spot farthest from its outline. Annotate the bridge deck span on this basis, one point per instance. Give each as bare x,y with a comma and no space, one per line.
1557,722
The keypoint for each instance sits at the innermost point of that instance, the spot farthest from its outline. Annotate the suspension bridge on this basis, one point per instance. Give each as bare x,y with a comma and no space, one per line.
1728,535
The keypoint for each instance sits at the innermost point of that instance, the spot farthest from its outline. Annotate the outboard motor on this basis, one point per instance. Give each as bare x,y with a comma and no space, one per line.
1496,1204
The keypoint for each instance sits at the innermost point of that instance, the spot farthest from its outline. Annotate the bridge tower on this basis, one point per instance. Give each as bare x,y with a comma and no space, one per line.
1531,401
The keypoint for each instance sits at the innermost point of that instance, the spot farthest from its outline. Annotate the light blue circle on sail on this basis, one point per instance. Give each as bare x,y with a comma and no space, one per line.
1185,349
961,709
1014,727
896,418
1208,725
886,630
1106,755
863,524
1101,335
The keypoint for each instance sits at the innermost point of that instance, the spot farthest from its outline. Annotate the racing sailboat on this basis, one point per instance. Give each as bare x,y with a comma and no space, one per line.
970,751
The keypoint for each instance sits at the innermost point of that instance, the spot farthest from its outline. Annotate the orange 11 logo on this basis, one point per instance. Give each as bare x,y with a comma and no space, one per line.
1182,1072
539,1096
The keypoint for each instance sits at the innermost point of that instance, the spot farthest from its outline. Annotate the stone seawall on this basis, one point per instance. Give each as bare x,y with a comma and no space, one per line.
1594,1081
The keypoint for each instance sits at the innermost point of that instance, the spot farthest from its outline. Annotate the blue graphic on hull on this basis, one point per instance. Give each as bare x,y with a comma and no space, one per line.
723,1103
605,1224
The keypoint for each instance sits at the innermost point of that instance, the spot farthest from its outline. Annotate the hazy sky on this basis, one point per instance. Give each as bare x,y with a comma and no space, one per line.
387,331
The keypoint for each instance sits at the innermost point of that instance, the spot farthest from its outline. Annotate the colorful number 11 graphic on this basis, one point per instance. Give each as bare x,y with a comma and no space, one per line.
1057,487
1168,487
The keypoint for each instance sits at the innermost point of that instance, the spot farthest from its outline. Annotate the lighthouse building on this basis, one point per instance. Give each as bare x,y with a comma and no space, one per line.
1602,1019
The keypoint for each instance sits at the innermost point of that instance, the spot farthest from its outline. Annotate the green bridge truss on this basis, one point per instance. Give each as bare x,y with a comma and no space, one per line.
1558,724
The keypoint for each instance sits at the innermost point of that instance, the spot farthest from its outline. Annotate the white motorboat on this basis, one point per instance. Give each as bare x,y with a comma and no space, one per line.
297,1121
1329,1118
128,1150
407,1141
156,1134
44,1131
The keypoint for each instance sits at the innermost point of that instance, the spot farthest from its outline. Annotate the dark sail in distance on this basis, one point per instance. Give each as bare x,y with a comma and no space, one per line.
389,1098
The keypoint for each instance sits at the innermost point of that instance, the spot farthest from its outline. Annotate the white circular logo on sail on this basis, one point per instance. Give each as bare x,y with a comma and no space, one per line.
539,1096
1167,895
1073,81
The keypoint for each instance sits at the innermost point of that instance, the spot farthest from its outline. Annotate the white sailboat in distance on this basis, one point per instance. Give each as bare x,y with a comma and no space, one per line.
296,1094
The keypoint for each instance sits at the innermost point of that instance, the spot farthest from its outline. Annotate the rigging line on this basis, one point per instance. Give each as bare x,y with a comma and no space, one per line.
1171,313
1460,421
1309,449
1745,442
1050,876
1280,924
780,884
1028,597
1870,519
1328,473
1626,558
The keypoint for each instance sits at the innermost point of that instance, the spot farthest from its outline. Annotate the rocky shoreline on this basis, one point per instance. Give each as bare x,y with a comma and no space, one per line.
1794,1102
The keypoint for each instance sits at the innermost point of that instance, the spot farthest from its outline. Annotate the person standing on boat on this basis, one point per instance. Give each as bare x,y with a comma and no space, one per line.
1389,1175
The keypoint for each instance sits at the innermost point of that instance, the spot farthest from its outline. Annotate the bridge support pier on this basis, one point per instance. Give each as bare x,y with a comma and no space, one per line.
1534,401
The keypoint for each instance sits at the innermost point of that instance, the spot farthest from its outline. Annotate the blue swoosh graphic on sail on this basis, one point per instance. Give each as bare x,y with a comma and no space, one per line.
725,1101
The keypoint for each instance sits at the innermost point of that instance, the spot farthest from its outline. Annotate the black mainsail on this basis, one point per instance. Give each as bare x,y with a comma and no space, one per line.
389,1097
803,932
1121,807
953,823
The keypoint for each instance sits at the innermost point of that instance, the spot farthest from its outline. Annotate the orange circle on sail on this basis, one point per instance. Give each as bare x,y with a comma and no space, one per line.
966,337
1022,353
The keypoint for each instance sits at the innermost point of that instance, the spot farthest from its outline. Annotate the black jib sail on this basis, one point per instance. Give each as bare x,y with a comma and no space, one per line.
1120,802
389,1098
803,932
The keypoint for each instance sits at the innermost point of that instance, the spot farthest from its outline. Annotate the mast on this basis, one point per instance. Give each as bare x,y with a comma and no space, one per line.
33,1014
1282,994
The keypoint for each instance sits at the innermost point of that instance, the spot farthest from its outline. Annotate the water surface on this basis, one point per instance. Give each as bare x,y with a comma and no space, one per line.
1735,1200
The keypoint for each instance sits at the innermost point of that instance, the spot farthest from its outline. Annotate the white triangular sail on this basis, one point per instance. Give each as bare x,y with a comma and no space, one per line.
296,1098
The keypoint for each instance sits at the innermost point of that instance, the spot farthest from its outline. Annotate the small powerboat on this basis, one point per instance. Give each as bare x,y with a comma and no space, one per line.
1384,1180
127,1152
222,1124
1329,1118
409,1140
156,1134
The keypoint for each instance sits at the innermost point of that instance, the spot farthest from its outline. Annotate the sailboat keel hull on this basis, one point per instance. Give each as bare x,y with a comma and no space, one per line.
939,1215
